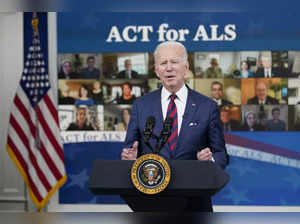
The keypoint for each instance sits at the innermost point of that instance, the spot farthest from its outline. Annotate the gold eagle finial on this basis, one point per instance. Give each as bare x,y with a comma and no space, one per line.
35,24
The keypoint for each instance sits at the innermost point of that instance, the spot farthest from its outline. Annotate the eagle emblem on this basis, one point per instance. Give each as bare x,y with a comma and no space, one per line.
151,173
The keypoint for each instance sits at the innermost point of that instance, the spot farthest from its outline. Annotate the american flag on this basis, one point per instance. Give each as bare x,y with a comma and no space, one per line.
33,140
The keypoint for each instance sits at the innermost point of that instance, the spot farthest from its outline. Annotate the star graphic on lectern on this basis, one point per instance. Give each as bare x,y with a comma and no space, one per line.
294,179
79,179
242,170
93,200
283,201
237,196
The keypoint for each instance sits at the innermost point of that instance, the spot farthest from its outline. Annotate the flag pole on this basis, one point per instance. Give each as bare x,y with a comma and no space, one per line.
26,207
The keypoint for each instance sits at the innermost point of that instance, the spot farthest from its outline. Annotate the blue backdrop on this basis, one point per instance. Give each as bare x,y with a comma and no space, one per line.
264,166
88,32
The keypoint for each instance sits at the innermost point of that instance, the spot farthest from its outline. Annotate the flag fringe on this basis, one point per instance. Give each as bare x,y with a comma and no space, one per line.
39,205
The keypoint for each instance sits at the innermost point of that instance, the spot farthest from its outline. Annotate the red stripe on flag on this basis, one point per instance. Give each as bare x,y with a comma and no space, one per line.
32,157
50,162
43,150
19,104
51,108
25,168
49,134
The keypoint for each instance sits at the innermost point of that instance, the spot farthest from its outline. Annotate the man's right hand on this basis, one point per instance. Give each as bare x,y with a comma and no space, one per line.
130,153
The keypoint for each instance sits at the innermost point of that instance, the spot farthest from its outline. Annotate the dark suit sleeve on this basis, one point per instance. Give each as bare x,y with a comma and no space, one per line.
135,74
121,75
133,133
275,101
259,73
226,102
216,137
252,101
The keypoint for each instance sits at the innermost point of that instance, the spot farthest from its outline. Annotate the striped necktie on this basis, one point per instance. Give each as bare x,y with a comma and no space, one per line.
172,112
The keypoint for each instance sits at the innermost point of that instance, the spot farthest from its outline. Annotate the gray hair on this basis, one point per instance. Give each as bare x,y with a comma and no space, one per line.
169,44
266,58
249,113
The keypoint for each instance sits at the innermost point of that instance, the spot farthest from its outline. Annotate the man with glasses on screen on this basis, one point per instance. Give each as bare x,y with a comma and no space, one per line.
217,94
261,95
266,71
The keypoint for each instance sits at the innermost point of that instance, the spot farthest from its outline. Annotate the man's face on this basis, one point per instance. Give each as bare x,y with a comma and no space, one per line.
127,65
67,67
217,91
171,67
266,63
126,90
91,63
214,64
81,116
261,91
224,116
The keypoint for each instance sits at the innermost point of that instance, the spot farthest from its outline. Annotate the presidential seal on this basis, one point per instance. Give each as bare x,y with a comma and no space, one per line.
150,174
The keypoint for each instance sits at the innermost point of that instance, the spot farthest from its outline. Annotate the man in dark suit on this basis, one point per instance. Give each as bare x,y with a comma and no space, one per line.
128,73
198,130
90,72
267,71
217,94
261,91
228,123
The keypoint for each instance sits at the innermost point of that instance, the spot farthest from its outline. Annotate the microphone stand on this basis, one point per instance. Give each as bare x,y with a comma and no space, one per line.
160,140
157,145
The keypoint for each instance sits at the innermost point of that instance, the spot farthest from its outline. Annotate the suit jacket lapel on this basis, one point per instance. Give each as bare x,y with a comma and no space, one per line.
157,112
188,115
268,100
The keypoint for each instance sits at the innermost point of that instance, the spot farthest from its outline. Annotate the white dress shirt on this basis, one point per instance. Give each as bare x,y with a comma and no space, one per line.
262,102
268,73
218,101
128,74
180,102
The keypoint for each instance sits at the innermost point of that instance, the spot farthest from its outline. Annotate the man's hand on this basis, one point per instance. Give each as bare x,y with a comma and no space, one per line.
130,153
205,154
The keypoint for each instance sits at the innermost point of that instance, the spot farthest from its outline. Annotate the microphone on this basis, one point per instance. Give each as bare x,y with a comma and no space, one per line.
165,132
149,126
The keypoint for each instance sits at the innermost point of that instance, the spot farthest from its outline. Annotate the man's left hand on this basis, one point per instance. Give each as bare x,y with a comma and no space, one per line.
205,154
